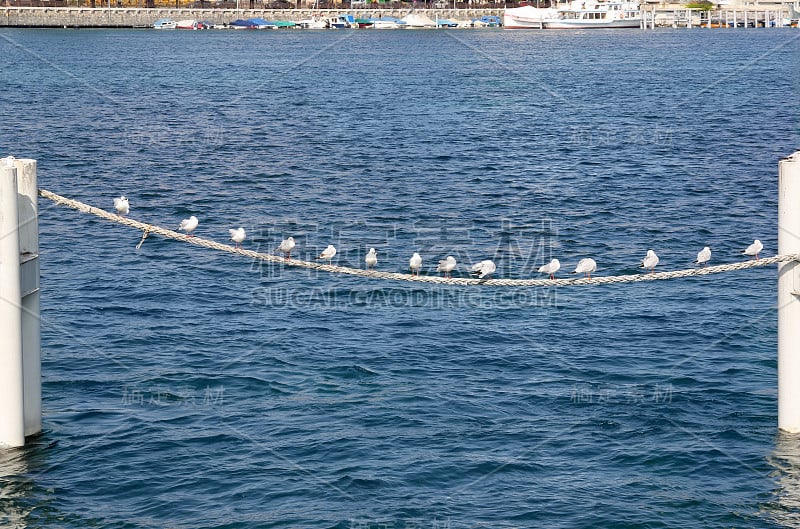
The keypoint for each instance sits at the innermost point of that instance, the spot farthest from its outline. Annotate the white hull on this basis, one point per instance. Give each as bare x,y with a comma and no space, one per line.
578,14
588,24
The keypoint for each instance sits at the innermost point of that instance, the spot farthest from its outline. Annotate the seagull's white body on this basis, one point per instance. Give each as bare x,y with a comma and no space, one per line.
415,263
704,256
586,266
8,161
447,265
551,268
754,249
484,268
650,261
286,246
328,253
188,225
371,259
122,206
238,236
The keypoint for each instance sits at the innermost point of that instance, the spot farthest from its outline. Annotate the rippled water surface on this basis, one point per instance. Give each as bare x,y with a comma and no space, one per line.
184,388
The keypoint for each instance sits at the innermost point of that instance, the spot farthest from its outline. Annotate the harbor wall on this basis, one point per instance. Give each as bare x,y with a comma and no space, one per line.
86,17
115,17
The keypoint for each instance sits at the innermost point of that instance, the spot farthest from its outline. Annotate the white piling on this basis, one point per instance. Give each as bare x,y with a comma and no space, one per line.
28,211
789,295
12,414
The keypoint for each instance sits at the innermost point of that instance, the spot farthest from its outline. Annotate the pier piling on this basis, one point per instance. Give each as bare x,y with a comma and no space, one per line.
789,295
20,357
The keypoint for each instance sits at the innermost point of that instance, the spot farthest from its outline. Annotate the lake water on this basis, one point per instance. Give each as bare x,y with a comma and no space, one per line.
183,388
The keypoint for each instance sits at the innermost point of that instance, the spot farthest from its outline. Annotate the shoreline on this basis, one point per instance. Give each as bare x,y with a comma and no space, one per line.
142,18
104,17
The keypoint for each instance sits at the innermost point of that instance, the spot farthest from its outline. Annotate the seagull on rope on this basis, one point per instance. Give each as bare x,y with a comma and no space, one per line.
650,261
586,266
371,259
550,268
189,225
237,236
754,249
703,256
415,263
328,254
446,266
286,247
122,206
484,268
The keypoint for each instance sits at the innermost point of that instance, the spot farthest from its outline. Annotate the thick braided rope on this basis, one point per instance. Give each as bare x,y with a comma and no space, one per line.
460,281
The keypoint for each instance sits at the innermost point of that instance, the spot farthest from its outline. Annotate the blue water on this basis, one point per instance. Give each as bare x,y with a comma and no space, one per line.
184,388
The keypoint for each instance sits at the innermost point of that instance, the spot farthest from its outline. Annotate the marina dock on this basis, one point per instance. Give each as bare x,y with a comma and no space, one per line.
654,15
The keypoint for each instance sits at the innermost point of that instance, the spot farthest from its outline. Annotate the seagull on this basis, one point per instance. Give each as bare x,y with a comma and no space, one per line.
8,161
188,225
238,236
447,265
328,253
484,268
586,266
415,263
286,247
550,268
703,256
650,261
754,249
121,205
371,259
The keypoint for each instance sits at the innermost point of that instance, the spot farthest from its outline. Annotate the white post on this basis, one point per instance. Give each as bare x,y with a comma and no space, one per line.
27,203
12,414
789,295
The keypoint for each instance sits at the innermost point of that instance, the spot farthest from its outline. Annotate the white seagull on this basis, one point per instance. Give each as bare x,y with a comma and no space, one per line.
415,263
446,266
122,206
484,268
237,236
650,261
586,266
188,225
371,259
328,253
704,256
754,249
8,161
286,247
550,268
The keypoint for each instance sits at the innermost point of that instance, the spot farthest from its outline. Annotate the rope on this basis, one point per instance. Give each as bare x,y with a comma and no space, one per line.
394,276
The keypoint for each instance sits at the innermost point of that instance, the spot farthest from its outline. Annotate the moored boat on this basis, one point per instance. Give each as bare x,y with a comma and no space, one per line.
577,14
186,24
164,23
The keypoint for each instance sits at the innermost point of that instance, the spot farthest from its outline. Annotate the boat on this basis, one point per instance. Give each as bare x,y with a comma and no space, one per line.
186,24
342,22
418,20
576,14
446,23
387,23
313,23
164,23
242,24
363,23
262,23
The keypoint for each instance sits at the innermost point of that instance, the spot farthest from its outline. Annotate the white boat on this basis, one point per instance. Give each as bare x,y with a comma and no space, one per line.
576,14
186,24
164,23
528,17
418,20
313,23
387,23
